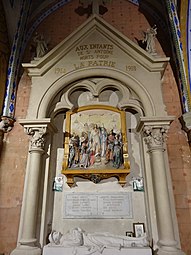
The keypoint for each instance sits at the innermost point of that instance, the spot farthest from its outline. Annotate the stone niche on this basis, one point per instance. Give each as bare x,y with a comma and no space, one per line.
103,206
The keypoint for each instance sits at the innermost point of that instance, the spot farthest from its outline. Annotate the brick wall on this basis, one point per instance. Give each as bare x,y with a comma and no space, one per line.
179,160
12,172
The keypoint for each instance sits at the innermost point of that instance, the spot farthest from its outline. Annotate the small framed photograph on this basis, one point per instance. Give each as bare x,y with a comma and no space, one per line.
138,184
58,184
139,229
129,234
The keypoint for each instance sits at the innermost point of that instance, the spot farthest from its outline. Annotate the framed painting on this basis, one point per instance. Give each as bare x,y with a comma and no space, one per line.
95,143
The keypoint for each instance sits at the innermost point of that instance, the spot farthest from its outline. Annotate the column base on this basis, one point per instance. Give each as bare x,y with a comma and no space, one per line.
26,250
160,251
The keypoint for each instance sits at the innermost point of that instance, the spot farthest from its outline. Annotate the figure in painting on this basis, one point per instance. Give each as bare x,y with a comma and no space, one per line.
96,147
95,139
41,45
71,155
103,141
149,39
73,150
110,146
117,154
84,161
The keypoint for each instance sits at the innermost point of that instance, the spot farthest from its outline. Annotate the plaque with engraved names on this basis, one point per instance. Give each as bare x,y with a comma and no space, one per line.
98,205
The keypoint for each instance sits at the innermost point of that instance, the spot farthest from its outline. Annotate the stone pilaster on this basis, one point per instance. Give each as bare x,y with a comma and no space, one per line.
154,132
28,243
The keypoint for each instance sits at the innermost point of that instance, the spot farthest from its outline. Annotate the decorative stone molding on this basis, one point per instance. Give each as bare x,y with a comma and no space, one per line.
37,129
37,136
155,136
6,125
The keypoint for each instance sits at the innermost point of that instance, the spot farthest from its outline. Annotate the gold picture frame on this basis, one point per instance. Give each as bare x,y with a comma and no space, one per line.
95,144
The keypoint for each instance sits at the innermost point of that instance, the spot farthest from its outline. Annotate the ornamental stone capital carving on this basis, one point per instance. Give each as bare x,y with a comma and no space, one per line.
37,136
154,130
38,129
155,136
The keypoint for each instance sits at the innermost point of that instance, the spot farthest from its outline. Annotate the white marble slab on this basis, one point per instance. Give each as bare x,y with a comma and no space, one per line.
98,205
85,251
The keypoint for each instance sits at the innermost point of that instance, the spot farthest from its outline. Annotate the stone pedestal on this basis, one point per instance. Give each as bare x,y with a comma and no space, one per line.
26,250
106,251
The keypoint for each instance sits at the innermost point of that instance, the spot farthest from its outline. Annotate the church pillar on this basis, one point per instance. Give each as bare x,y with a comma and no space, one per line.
154,132
28,243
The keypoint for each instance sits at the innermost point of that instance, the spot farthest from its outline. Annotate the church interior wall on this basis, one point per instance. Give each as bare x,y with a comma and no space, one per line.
13,165
14,154
179,153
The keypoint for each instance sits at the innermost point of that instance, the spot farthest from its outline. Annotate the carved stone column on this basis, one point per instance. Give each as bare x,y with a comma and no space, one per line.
28,243
154,132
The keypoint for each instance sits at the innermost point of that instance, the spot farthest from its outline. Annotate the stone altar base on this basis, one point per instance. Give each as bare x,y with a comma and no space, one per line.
47,250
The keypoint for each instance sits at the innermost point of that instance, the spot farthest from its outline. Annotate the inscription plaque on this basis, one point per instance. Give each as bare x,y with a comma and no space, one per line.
98,205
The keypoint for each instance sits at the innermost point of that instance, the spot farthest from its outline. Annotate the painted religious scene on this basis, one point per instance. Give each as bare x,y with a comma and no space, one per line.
95,140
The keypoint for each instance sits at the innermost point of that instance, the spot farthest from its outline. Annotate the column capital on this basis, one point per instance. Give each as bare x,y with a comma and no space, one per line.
37,136
154,130
155,137
37,129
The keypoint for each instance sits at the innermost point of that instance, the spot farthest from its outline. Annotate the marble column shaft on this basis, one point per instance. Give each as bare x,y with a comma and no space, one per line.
36,152
155,141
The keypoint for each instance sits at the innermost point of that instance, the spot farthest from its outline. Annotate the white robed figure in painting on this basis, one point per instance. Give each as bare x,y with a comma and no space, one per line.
95,139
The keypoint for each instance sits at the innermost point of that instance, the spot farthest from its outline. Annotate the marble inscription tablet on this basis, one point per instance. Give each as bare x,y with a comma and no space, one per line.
98,205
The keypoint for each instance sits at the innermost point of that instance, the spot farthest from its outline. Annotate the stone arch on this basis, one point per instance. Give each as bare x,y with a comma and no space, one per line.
148,105
97,88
